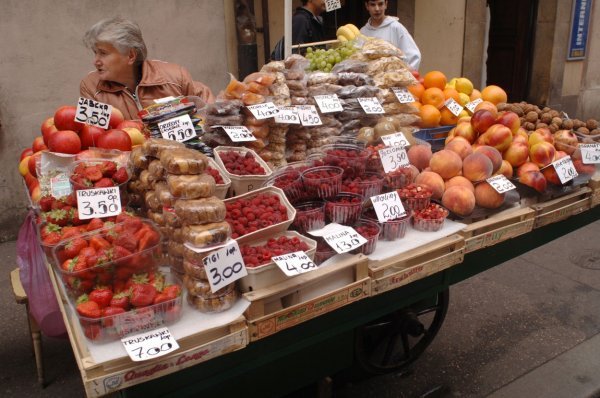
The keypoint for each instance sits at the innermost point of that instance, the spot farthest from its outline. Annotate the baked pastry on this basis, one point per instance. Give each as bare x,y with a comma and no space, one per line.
156,170
175,249
213,304
201,287
184,161
195,270
191,186
152,201
154,146
138,159
163,194
206,235
200,211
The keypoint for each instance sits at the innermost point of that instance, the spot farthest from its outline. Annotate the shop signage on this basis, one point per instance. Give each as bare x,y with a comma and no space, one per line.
580,23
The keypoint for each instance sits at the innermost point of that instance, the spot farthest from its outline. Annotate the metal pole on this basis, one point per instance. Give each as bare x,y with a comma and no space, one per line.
287,29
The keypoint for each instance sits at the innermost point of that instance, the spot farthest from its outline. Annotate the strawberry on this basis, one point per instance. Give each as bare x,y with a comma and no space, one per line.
79,285
142,295
172,291
87,308
103,256
104,182
108,168
80,269
46,202
74,216
120,252
120,176
92,331
48,229
94,224
150,239
70,199
120,300
108,314
93,173
79,169
80,182
51,239
58,217
101,295
162,298
98,242
74,246
126,241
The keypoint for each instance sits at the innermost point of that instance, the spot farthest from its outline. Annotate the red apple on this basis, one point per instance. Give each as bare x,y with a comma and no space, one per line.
65,141
64,119
136,124
115,139
31,164
26,152
482,120
35,193
38,144
24,166
89,136
30,180
116,118
48,128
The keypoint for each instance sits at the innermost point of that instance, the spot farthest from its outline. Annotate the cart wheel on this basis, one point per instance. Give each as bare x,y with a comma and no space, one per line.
392,342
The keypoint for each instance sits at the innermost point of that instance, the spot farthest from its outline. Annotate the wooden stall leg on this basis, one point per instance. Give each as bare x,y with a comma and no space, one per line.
36,340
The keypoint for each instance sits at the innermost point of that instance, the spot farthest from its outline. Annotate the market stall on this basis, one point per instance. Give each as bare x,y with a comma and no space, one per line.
310,219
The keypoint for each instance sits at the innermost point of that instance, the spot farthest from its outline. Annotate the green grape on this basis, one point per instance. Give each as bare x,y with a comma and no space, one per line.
309,50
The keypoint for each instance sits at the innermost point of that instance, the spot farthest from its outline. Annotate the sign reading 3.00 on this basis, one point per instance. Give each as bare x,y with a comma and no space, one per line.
98,202
178,129
93,112
224,266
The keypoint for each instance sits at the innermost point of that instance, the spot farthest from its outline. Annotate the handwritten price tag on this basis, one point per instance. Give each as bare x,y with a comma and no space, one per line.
309,115
396,139
98,202
287,115
388,206
263,111
239,133
294,263
93,112
393,158
331,5
473,104
403,95
344,240
501,184
565,169
178,129
60,185
149,345
371,105
329,103
590,153
453,106
224,266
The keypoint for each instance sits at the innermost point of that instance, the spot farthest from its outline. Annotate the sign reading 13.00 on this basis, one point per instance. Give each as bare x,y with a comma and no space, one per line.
98,202
93,112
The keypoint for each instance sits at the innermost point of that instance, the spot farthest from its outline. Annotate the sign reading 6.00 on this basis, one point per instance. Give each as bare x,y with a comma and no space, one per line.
178,129
93,112
98,202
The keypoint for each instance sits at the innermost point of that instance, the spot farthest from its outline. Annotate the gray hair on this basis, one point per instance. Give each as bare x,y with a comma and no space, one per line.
121,33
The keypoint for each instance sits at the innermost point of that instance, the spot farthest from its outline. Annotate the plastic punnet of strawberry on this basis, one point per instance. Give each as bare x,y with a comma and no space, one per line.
99,173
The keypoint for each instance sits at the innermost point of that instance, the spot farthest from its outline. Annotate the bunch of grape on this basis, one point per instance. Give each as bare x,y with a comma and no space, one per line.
324,60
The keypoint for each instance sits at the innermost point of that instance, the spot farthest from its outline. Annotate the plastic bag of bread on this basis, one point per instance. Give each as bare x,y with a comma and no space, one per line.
354,79
152,201
156,170
378,48
201,287
184,161
171,218
192,186
395,108
157,217
398,78
175,234
175,249
194,269
206,235
350,65
193,256
200,211
164,195
176,264
318,78
356,92
154,146
296,61
273,66
294,74
146,181
138,159
323,89
136,186
262,78
386,64
216,303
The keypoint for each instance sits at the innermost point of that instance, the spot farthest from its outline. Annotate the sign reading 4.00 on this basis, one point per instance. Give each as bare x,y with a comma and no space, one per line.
98,202
93,112
178,129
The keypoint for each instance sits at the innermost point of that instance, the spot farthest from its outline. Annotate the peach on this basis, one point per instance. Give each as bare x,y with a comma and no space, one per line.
516,154
534,179
446,163
550,172
459,200
487,197
539,135
542,153
460,145
434,181
565,140
506,170
583,168
465,130
459,181
520,138
466,119
489,106
482,120
419,156
510,120
477,167
526,168
497,136
492,153
494,94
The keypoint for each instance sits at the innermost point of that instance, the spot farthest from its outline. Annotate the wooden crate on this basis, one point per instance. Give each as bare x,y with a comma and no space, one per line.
498,228
105,378
562,208
594,185
416,264
284,305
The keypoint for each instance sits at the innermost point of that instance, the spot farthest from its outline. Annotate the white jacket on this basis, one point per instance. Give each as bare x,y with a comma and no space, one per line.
393,31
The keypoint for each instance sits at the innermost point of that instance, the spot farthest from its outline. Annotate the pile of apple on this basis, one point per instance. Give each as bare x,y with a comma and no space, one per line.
490,143
62,134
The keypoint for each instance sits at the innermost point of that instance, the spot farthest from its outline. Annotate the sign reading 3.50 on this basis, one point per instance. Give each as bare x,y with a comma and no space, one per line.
98,202
93,112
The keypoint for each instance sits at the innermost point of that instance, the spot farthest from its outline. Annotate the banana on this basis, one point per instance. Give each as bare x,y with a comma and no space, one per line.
342,38
353,28
346,32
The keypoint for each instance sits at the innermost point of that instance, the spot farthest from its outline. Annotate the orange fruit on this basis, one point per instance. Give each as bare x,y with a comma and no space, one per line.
433,96
417,105
416,90
430,116
435,78
494,94
447,118
450,92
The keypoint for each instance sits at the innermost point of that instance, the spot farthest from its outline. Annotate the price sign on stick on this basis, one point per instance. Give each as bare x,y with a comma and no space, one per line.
344,240
393,158
473,104
565,169
98,202
287,115
331,5
296,263
178,129
590,153
263,111
388,206
329,103
308,115
403,95
500,183
396,139
224,266
149,345
93,112
371,105
238,133
453,106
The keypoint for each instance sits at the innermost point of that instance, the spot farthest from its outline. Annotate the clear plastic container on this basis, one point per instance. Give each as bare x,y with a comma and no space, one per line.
367,185
290,182
99,173
391,229
194,269
344,208
430,219
401,177
309,216
370,230
351,158
415,197
216,303
323,181
324,252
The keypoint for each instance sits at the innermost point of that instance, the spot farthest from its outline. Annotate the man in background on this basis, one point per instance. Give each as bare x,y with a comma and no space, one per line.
307,26
388,28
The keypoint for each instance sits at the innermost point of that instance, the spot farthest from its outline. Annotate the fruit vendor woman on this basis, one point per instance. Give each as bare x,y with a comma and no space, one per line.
124,78
388,28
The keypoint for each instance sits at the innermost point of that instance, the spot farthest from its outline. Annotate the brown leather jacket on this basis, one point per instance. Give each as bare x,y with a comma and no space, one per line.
159,79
